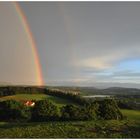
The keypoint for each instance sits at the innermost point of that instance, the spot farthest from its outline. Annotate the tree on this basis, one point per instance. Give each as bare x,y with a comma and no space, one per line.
91,111
45,110
71,112
12,110
108,109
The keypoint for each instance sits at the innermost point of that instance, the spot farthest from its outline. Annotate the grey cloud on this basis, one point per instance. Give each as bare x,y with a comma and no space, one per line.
126,74
83,41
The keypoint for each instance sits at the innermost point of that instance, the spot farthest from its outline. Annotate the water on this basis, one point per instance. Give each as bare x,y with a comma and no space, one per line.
97,96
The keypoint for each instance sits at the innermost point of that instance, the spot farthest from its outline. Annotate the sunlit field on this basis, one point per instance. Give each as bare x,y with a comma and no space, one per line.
25,97
132,114
20,97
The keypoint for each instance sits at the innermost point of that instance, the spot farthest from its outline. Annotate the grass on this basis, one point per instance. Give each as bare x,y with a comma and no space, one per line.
21,97
75,129
60,101
131,114
128,128
80,129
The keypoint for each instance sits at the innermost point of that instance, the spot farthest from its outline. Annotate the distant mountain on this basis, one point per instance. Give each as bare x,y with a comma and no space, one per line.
122,91
89,90
103,85
106,91
5,84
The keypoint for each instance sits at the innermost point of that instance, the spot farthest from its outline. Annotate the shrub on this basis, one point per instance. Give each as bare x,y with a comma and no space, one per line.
90,111
45,110
12,110
108,109
71,112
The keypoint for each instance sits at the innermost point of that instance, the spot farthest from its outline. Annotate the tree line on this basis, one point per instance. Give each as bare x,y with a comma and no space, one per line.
45,110
70,95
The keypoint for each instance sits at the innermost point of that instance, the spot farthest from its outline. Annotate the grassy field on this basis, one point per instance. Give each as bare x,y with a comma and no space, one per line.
87,129
128,128
21,97
59,101
131,114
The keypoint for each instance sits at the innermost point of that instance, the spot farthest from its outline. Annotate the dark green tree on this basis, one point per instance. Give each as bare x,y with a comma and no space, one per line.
45,110
91,111
71,112
12,110
108,109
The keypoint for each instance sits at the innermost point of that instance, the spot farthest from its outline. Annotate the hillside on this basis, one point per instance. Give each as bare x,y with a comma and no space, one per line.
108,91
75,129
24,97
68,128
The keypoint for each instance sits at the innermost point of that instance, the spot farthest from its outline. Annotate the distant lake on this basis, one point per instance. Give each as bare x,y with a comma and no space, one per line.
99,96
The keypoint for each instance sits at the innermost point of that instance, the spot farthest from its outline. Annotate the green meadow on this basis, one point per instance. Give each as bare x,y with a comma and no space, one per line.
21,97
131,114
127,128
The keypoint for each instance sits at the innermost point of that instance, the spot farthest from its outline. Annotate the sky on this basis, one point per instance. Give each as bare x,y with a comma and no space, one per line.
79,43
17,64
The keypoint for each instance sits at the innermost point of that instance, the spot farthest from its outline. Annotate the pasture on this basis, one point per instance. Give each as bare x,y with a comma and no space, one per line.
23,97
131,114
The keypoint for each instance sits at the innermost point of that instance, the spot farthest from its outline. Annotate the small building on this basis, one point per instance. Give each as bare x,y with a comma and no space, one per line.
29,103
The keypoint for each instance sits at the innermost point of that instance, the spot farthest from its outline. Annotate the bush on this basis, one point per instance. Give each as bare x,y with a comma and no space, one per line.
108,109
45,110
12,110
90,111
71,112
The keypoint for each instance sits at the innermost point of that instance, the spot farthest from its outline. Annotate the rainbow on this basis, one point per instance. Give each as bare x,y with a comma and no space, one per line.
27,29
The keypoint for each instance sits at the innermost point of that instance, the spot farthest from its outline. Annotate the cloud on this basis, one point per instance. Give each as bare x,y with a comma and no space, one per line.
126,73
96,63
106,60
86,42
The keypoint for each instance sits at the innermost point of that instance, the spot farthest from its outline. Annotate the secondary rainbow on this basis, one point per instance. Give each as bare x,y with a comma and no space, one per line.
32,42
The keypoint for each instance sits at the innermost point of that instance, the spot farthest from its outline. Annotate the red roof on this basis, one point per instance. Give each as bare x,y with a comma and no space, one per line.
29,103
